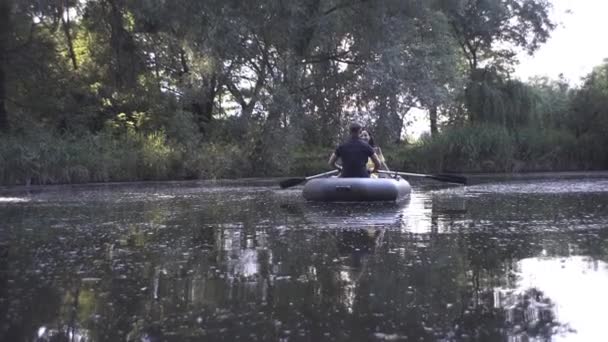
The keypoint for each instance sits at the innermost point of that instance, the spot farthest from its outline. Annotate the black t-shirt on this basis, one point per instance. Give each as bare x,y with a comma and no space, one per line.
354,154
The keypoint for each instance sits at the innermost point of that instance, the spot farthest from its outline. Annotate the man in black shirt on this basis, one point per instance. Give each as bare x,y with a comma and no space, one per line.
354,154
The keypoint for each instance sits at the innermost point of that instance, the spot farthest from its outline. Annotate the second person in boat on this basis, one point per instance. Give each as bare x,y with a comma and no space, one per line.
366,136
354,154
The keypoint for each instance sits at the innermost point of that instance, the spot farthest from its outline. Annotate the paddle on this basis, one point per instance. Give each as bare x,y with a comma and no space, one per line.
441,177
295,181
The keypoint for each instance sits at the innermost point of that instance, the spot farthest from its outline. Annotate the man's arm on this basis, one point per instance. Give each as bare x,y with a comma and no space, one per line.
332,161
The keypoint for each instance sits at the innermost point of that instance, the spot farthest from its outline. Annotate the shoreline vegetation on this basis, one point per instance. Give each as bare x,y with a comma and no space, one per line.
125,155
113,90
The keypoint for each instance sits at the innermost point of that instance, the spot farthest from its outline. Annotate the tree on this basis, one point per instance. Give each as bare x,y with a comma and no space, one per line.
28,57
589,117
554,100
508,103
490,31
411,62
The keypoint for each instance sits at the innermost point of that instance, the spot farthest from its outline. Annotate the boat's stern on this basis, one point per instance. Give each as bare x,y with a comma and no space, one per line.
356,189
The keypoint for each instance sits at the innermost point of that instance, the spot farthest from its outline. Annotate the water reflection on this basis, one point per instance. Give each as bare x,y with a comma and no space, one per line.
575,286
13,200
181,263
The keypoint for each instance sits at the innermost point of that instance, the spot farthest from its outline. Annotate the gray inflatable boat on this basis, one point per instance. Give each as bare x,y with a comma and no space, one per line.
356,189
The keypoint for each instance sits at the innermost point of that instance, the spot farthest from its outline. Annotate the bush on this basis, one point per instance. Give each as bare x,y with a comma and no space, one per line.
548,149
212,160
490,148
43,157
122,153
470,148
310,161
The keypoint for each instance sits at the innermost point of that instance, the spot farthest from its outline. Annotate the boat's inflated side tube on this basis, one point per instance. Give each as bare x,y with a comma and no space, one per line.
356,189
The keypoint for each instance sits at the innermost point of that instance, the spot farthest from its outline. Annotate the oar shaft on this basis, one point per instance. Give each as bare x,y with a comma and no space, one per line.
406,174
295,181
441,178
328,173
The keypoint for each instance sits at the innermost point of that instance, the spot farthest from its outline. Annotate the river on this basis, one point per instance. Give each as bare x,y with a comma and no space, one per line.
503,259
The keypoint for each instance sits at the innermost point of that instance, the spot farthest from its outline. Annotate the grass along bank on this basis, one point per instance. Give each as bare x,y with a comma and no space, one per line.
44,157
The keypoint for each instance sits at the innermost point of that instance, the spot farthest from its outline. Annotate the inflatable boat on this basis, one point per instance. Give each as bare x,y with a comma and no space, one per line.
356,189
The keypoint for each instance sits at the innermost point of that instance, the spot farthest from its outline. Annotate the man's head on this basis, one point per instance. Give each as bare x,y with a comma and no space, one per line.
355,129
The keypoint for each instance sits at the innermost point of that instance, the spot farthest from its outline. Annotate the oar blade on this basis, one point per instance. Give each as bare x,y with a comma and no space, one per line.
449,178
288,183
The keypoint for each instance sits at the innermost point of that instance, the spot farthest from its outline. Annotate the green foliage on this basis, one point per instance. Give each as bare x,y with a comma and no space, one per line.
115,154
548,149
215,161
492,148
508,103
487,147
489,34
590,103
118,90
479,24
309,162
553,102
48,158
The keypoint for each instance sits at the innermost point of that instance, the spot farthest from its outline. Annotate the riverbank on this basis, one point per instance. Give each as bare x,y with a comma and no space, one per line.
128,156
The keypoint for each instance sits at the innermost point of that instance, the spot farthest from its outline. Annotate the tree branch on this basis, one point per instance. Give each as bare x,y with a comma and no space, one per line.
235,92
327,57
343,5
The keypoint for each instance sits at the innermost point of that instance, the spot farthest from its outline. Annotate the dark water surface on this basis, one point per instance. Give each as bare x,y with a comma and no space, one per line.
504,260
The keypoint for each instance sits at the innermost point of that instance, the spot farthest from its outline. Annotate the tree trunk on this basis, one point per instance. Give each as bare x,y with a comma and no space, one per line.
5,8
203,109
402,123
65,23
115,42
125,62
433,117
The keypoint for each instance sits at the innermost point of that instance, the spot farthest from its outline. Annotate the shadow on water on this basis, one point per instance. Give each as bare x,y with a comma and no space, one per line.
192,260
